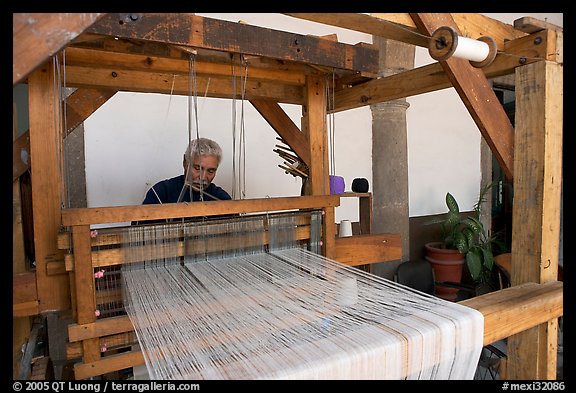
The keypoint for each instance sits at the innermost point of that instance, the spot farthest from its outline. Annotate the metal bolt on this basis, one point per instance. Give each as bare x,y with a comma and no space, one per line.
114,74
538,40
522,60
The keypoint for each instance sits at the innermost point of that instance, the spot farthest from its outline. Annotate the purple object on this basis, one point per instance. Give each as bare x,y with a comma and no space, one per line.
337,185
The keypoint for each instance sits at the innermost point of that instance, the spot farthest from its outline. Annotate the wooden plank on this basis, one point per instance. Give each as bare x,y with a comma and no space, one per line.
25,309
366,24
518,308
401,27
529,24
537,205
108,364
24,287
114,214
143,62
471,25
477,95
103,327
367,249
169,83
285,127
44,113
37,36
200,32
84,286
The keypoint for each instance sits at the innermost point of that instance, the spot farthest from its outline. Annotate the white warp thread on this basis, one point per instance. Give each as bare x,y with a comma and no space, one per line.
293,314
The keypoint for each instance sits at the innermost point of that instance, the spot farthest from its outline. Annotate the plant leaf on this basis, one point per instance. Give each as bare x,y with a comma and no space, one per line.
452,204
474,264
460,242
488,259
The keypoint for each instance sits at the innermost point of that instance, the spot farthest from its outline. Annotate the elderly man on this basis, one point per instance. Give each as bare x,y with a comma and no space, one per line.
201,161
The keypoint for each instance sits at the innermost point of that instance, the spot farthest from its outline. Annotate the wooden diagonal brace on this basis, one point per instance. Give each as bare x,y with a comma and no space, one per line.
477,95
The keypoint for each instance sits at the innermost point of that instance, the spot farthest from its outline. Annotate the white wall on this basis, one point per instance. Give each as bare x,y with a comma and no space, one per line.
137,139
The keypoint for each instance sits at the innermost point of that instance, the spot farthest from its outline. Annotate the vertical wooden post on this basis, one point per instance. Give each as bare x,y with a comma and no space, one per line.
45,117
314,124
84,286
536,210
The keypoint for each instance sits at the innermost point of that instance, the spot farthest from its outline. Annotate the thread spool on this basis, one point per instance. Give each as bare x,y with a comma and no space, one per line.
337,185
345,228
446,43
360,185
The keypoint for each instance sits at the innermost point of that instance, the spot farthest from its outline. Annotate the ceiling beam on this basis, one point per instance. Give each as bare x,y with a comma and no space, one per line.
200,32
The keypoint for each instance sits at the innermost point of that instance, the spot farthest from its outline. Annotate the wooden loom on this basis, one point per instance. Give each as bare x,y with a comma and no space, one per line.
98,65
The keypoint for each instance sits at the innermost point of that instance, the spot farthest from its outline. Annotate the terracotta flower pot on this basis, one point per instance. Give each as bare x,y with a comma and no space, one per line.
448,265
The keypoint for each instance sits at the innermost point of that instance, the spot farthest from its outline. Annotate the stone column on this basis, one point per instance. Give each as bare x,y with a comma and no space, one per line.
390,155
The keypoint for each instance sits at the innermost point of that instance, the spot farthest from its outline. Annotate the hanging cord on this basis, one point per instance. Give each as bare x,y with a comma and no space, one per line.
192,109
330,122
239,138
59,124
234,179
242,131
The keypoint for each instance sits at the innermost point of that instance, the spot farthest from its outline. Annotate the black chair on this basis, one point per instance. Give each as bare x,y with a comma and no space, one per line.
418,274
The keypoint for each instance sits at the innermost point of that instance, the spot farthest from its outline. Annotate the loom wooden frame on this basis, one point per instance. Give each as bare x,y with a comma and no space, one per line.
289,69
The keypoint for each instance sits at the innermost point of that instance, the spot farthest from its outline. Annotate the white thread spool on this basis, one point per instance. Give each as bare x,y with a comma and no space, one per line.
446,43
345,228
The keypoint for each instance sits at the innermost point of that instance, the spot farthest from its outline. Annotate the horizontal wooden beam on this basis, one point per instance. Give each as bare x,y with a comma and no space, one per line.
518,308
98,58
367,24
115,214
200,32
367,249
170,83
401,27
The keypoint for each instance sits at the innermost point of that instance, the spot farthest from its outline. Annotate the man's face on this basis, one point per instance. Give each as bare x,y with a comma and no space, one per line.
201,171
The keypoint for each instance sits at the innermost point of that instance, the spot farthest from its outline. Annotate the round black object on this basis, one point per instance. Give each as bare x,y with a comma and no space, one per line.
360,185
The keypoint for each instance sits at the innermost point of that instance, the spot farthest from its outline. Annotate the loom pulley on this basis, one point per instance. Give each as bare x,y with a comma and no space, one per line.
446,43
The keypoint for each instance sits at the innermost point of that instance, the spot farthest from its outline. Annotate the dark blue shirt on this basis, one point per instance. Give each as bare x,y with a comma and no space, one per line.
169,190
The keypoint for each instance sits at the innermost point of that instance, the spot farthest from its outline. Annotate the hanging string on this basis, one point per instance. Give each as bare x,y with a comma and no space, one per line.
242,157
239,138
234,177
331,105
192,110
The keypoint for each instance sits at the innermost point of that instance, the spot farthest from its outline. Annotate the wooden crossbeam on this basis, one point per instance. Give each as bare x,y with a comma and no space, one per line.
200,32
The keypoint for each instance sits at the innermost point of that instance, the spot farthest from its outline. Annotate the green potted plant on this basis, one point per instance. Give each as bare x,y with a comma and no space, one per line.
464,240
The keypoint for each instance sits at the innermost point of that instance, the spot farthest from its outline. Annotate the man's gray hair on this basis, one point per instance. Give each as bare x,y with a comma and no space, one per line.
203,147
